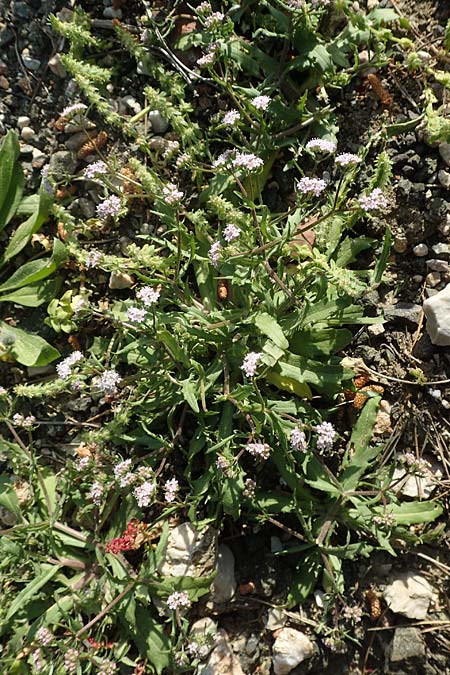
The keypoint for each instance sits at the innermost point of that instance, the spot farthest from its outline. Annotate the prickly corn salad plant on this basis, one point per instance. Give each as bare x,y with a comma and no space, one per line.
206,386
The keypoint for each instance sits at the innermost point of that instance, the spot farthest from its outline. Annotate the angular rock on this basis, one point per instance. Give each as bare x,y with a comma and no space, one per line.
56,66
417,485
438,265
222,660
289,649
410,595
404,311
62,163
224,585
407,648
276,618
437,312
189,552
444,178
120,280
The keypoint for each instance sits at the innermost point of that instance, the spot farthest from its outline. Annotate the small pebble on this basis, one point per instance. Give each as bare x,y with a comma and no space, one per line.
30,63
441,248
56,66
444,151
158,122
23,121
433,279
418,278
27,133
400,243
444,178
4,83
110,13
425,57
420,250
376,329
438,265
3,68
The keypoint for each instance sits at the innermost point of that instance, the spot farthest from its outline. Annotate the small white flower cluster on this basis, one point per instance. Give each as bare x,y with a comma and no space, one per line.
71,660
3,391
386,520
107,667
64,368
311,186
250,363
261,102
214,253
209,57
44,637
107,382
142,480
326,436
92,259
238,160
171,488
95,169
148,296
109,207
347,159
249,490
73,110
25,422
321,145
96,492
38,664
214,20
231,232
374,201
353,613
136,315
172,194
231,117
259,450
197,650
222,463
298,440
178,599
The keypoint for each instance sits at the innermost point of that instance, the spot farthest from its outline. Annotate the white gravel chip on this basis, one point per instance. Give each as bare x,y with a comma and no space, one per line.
437,312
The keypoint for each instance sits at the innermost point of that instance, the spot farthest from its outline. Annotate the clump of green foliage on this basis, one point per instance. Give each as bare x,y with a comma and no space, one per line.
209,391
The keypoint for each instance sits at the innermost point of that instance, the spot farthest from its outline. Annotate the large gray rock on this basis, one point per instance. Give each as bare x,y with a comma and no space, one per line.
407,650
437,311
289,649
409,594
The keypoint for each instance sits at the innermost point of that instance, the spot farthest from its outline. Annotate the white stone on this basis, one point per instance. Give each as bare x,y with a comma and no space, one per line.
27,133
424,56
417,485
372,4
132,104
433,279
224,585
222,660
189,552
57,67
376,329
23,121
441,248
276,619
420,250
119,280
289,649
158,122
444,178
410,595
437,312
444,151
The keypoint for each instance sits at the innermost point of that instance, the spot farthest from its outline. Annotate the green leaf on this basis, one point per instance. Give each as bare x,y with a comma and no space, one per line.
322,342
28,593
383,15
25,231
305,578
8,496
271,328
288,378
26,348
36,270
190,394
382,260
412,513
32,296
11,178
